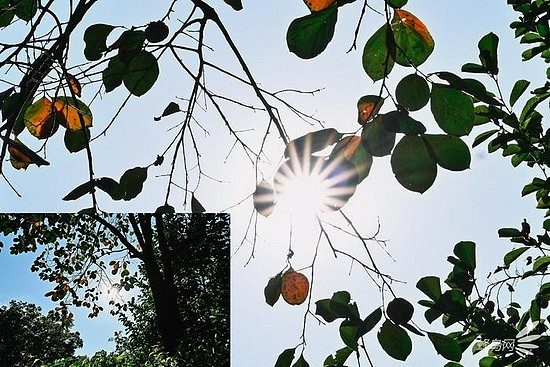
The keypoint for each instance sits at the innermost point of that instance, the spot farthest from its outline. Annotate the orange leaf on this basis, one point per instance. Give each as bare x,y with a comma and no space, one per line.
21,156
73,114
317,5
368,107
411,21
18,159
74,84
41,118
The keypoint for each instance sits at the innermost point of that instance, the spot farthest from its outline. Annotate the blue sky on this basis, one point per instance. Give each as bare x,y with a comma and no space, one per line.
421,229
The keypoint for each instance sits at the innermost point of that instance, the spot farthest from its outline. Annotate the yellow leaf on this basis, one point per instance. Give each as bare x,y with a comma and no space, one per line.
74,114
412,22
74,84
41,118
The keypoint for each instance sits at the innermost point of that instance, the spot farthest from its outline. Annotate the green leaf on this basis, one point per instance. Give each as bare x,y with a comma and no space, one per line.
348,333
452,110
430,286
80,190
25,9
95,38
377,61
113,73
272,290
6,13
488,45
445,346
488,362
369,322
412,92
512,256
285,358
323,309
450,151
172,108
413,165
111,187
377,139
396,3
156,31
395,341
339,358
403,123
519,87
75,141
132,180
301,362
541,263
352,150
310,35
484,136
466,251
453,364
141,74
235,4
470,86
311,143
196,206
509,232
412,38
474,68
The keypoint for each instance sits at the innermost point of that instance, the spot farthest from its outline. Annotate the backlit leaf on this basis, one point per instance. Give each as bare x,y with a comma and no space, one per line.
301,362
264,198
412,164
484,136
80,190
272,290
156,31
310,35
111,187
311,143
395,341
172,108
339,357
6,13
370,322
141,74
377,60
74,84
512,256
75,114
412,38
452,110
396,3
519,87
450,151
466,251
112,75
95,38
317,5
541,263
132,180
351,149
430,286
446,346
470,86
348,333
41,118
412,92
235,4
488,45
402,122
25,9
21,156
368,107
377,139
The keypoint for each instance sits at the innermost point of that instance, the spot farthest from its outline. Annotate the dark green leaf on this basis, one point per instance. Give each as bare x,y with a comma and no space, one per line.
95,38
132,180
311,143
430,286
470,86
483,136
396,4
488,45
413,165
75,141
450,151
395,341
141,74
272,290
112,75
310,35
488,362
129,44
172,108
323,309
414,43
196,206
511,256
370,322
348,333
235,4
446,346
466,251
474,68
301,362
377,139
156,31
377,61
339,358
6,13
25,9
519,87
509,232
169,209
452,110
80,191
412,92
111,187
285,358
400,122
